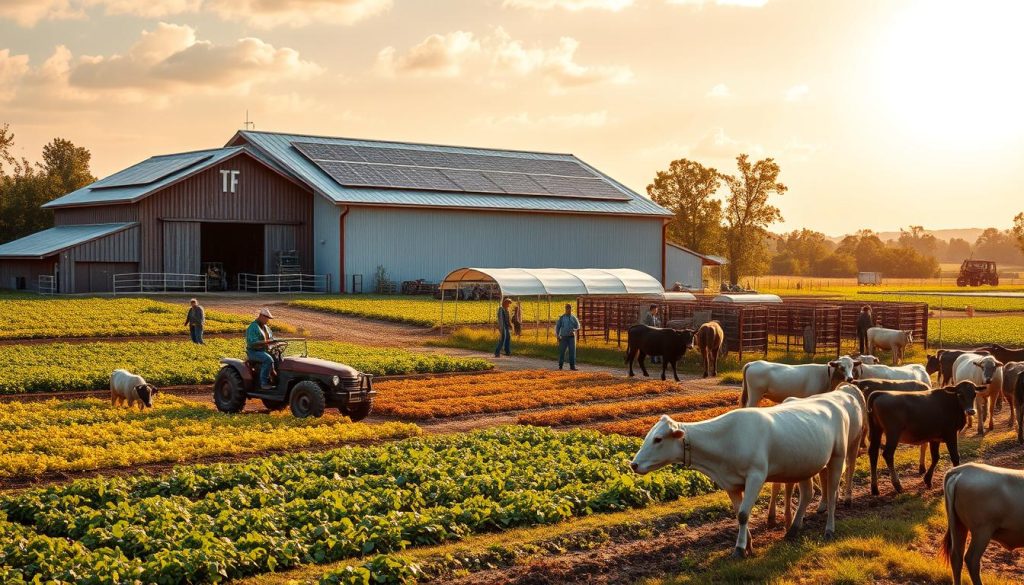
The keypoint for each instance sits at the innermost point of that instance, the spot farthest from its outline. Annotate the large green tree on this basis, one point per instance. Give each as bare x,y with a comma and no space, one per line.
748,213
688,190
1018,230
916,238
24,187
801,253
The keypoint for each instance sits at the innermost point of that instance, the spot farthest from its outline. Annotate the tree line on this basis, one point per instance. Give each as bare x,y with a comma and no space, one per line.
737,226
25,187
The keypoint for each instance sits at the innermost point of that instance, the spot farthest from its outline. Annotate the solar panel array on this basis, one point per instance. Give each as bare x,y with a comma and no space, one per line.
431,170
151,171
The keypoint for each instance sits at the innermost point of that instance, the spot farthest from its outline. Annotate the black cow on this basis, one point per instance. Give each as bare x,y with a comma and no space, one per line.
916,418
945,358
670,344
871,385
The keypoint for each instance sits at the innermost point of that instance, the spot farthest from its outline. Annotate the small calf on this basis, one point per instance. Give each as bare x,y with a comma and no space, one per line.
126,386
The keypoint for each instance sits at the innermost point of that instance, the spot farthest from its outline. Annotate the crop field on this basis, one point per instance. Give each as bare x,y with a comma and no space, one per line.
426,311
54,367
60,436
505,392
210,523
34,317
1005,330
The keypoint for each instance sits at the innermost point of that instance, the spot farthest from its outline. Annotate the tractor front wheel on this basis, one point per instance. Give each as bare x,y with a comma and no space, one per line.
308,399
358,411
228,391
961,281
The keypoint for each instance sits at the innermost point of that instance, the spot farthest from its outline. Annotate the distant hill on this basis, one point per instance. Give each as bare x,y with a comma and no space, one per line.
969,234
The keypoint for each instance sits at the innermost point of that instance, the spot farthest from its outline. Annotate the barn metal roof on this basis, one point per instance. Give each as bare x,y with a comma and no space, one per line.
56,239
184,164
278,146
558,281
706,259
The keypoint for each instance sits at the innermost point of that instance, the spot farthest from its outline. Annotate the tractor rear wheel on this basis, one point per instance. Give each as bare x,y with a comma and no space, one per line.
274,405
995,281
961,281
308,399
228,390
358,411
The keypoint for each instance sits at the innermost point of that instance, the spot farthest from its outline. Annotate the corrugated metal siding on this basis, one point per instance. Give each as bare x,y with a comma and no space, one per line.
181,247
98,214
262,197
122,246
421,243
682,267
276,238
326,239
27,269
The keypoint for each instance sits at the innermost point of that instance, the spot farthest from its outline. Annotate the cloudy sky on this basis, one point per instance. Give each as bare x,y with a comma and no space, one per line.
882,113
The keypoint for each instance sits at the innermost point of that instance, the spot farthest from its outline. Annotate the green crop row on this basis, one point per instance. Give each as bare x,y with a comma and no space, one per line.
30,317
426,311
59,367
977,331
212,523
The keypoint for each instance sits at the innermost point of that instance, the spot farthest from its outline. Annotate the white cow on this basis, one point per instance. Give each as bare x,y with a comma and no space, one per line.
883,372
890,339
744,448
984,501
985,371
126,386
777,382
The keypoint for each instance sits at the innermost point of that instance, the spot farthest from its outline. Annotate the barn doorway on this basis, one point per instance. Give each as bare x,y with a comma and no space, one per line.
239,246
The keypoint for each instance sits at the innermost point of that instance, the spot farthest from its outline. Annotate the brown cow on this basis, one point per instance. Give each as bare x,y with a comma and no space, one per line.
871,385
708,341
1012,371
916,418
1003,354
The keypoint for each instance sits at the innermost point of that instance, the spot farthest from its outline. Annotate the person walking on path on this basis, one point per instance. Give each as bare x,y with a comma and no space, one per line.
566,329
258,338
195,320
653,320
504,328
864,322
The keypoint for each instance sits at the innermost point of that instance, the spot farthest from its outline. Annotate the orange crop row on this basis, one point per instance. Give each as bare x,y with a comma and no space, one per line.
626,409
638,427
505,392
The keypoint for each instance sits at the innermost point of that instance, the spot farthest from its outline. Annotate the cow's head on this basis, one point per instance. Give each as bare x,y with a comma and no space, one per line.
909,336
933,364
965,393
867,360
842,369
989,365
146,392
685,337
662,446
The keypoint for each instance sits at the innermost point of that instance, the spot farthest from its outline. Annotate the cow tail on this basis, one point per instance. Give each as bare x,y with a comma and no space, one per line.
953,523
743,395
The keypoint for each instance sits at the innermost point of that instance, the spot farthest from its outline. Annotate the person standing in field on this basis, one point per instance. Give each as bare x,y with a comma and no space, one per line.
195,320
566,329
504,329
864,322
653,320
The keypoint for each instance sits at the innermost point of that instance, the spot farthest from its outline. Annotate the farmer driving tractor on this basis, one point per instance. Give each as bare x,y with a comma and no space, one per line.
258,338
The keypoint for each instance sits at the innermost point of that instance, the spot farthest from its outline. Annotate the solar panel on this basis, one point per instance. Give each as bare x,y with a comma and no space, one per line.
150,171
431,170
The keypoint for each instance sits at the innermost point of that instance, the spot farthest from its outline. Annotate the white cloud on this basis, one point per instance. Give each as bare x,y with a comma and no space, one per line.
596,119
165,63
258,13
719,91
437,55
497,57
12,69
740,3
719,145
797,93
295,13
570,5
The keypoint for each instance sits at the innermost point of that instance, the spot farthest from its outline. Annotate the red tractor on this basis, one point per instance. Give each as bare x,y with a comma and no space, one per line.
977,273
307,385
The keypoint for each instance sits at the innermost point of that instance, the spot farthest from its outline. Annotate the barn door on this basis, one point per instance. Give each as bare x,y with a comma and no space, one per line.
277,238
181,247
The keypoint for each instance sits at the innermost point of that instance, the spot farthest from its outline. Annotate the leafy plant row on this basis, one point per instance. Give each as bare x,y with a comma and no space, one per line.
47,317
424,311
77,435
57,367
638,427
626,409
508,391
211,523
972,332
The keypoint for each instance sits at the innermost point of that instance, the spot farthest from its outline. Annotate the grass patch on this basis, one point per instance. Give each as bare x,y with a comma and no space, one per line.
426,311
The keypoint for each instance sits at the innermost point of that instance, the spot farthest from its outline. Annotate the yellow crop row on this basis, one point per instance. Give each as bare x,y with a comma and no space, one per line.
77,435
626,409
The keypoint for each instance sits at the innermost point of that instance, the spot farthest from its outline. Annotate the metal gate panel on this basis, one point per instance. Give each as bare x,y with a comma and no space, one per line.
277,238
181,247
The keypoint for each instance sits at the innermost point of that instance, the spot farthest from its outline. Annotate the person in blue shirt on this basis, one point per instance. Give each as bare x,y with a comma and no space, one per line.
566,329
258,338
504,328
